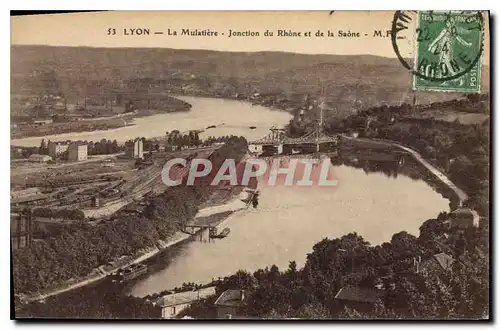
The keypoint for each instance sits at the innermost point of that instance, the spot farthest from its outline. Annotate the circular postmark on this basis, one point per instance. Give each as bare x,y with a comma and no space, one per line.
447,45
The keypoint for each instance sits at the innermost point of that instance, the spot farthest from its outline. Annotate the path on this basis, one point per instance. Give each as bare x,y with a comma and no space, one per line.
462,196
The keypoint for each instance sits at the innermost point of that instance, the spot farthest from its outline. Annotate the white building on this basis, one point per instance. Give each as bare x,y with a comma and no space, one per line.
77,151
134,149
56,149
172,304
255,148
229,304
42,122
464,217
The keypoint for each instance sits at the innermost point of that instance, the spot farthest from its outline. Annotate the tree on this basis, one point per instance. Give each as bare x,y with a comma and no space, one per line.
115,146
403,241
43,150
431,229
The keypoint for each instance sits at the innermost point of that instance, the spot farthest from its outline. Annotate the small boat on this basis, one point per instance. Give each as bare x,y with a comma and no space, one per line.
253,127
128,273
222,234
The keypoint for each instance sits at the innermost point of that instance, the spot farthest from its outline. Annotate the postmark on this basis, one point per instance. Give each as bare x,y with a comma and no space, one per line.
446,47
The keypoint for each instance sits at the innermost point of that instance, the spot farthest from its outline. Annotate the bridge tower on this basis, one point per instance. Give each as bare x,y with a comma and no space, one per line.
321,108
320,125
276,135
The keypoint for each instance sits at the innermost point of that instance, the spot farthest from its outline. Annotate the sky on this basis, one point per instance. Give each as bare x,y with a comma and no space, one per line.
91,29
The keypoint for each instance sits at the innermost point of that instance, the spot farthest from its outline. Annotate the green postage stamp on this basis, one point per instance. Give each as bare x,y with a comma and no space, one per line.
448,51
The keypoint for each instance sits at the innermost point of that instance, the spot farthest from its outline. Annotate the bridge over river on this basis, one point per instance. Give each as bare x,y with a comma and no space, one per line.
277,143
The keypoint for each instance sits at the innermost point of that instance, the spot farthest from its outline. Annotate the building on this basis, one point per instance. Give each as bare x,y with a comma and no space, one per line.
77,151
37,158
26,195
438,262
20,230
134,149
94,201
57,149
41,122
464,217
229,303
28,192
172,304
358,298
255,148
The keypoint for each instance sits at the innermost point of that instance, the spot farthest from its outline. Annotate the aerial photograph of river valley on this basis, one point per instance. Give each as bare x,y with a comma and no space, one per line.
156,176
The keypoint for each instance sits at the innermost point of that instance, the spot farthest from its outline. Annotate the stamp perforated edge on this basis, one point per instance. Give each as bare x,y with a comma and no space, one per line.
434,89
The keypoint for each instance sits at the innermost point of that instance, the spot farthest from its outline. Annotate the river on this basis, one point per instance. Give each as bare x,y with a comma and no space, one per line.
231,117
288,220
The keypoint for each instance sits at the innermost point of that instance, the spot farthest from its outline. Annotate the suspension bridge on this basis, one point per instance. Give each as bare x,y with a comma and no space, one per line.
277,142
277,136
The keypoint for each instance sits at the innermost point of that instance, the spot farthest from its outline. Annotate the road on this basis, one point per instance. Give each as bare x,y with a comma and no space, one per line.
462,196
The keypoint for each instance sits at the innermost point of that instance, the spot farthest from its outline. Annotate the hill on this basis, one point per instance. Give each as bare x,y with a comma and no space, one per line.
358,81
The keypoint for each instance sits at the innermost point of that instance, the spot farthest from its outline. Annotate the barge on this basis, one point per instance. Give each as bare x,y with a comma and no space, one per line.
125,274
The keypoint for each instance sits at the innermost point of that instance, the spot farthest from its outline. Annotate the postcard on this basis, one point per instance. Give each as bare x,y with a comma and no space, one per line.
250,165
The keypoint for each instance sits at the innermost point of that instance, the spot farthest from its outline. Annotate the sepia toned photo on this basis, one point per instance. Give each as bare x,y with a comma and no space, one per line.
250,165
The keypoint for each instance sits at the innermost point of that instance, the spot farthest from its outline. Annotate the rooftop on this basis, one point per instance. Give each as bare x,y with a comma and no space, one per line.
60,142
464,211
230,298
359,294
133,141
184,297
78,143
444,260
38,157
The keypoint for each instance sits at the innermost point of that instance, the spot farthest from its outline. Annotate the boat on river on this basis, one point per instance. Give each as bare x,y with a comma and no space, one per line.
125,274
222,234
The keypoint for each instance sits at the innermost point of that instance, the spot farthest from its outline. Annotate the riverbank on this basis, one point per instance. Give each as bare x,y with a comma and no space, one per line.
94,124
275,102
214,215
214,117
108,123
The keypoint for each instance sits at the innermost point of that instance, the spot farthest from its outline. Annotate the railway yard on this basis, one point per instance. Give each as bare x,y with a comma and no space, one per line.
92,190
